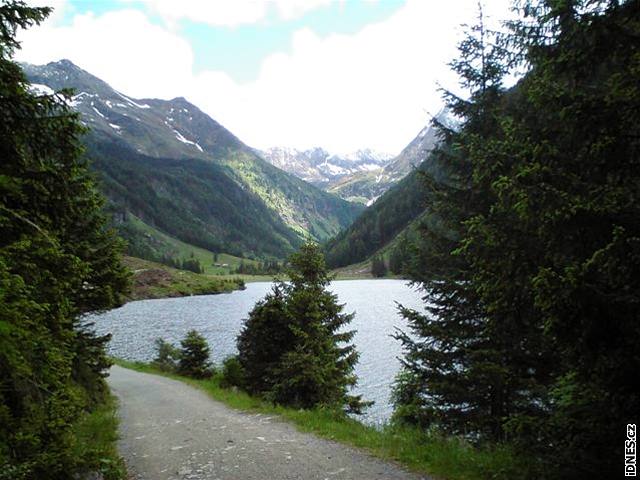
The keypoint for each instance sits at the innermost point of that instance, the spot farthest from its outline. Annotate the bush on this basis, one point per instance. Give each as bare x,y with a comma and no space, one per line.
167,356
194,356
233,375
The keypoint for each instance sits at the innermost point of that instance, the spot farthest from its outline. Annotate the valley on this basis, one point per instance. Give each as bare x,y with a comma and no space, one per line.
180,172
225,252
180,186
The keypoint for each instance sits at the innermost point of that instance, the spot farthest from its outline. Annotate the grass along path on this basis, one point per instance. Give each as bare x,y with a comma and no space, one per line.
429,453
96,434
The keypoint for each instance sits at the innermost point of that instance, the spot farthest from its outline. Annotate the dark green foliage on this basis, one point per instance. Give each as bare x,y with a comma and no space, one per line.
532,269
192,265
378,267
400,252
293,347
167,356
272,267
193,358
57,263
264,338
380,223
233,374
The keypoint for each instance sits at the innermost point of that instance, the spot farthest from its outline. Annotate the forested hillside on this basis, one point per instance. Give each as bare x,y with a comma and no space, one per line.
382,222
182,172
193,200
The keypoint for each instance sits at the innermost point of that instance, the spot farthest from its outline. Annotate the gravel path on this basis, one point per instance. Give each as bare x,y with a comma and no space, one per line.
171,431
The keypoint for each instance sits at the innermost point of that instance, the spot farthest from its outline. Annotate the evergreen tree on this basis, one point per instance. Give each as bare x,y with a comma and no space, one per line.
166,356
400,254
194,356
293,348
573,191
532,267
266,335
465,377
57,263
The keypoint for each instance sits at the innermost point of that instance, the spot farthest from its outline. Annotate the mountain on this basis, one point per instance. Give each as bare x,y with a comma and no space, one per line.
176,169
368,186
397,209
322,169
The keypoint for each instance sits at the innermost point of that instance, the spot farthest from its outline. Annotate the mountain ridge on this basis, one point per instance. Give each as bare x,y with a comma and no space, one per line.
170,146
322,168
372,185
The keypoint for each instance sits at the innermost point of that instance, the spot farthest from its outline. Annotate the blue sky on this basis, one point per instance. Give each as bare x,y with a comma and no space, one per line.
240,49
341,74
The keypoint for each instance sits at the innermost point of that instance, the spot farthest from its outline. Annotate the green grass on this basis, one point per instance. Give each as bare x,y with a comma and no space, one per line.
444,457
96,436
153,280
182,250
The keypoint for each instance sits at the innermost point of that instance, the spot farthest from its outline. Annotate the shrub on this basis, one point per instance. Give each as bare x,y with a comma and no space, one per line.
167,356
233,375
194,356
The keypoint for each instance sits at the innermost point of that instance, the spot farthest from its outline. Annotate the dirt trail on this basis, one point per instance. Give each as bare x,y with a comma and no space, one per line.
171,431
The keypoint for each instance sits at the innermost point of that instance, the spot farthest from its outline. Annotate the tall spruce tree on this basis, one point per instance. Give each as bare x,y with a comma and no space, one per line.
534,270
575,192
462,370
57,263
294,348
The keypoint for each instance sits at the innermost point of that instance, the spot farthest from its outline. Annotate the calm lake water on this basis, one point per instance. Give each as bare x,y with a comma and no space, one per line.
219,318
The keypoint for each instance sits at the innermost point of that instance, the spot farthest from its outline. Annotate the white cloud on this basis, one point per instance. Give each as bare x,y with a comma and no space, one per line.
121,47
230,13
374,89
371,89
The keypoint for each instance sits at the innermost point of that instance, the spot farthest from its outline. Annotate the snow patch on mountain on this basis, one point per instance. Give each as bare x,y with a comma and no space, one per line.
97,111
132,102
40,89
180,137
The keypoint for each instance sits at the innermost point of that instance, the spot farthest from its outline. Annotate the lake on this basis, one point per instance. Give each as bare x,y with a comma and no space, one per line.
219,318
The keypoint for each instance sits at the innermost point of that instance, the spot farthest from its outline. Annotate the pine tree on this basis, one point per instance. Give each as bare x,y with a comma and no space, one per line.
193,357
461,368
58,261
264,338
293,347
167,356
532,267
574,192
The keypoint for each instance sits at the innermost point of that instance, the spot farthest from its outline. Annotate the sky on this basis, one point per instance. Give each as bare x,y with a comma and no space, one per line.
339,74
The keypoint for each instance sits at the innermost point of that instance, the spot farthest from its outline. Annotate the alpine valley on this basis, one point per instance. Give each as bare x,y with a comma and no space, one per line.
362,176
173,175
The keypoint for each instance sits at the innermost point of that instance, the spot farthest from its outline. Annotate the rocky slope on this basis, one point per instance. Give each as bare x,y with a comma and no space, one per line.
368,186
319,167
